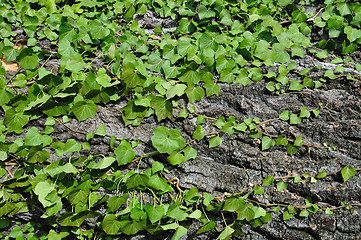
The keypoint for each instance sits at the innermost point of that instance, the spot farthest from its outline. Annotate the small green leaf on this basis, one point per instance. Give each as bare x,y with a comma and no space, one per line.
215,141
295,86
196,214
304,213
281,186
183,113
322,174
181,231
268,181
267,143
233,204
304,112
316,112
163,107
258,190
101,130
298,142
3,156
287,215
198,133
158,30
104,163
347,172
189,153
175,158
285,115
291,149
294,119
32,137
226,233
207,227
194,93
282,140
116,202
328,211
27,59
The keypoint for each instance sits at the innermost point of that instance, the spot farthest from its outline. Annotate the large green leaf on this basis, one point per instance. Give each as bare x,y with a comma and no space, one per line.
111,225
84,110
207,41
154,213
347,172
27,59
194,93
124,153
163,107
136,180
97,30
167,141
15,121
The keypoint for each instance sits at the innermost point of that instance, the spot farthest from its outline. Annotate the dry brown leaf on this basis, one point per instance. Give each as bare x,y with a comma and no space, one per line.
9,66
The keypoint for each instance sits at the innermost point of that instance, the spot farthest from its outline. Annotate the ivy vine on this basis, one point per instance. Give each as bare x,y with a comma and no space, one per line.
160,71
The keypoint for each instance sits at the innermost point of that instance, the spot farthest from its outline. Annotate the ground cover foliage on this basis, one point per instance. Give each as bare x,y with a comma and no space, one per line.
160,72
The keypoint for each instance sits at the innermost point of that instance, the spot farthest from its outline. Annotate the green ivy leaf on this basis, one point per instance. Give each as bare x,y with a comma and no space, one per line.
233,204
124,153
15,121
267,143
163,108
268,181
287,215
111,225
101,130
97,30
303,213
207,41
84,110
294,119
295,86
322,174
215,141
328,211
282,140
189,153
167,141
226,233
174,90
291,149
281,186
298,142
285,115
209,226
175,158
181,231
243,77
32,137
104,163
154,213
136,180
116,202
27,59
198,133
347,172
258,190
176,213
